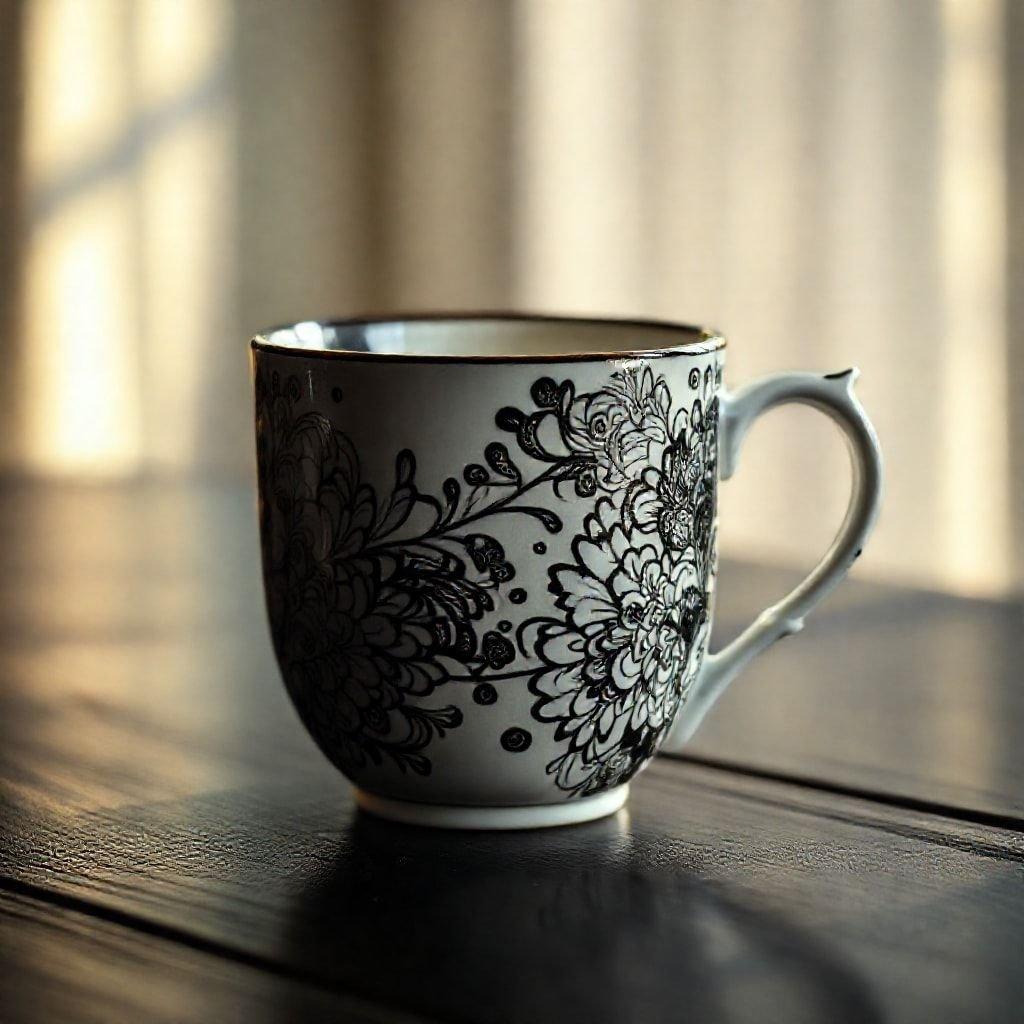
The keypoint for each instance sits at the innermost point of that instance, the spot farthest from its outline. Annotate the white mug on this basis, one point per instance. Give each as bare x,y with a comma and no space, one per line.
489,550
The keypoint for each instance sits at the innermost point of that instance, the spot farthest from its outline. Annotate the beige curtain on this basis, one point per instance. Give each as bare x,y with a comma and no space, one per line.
828,181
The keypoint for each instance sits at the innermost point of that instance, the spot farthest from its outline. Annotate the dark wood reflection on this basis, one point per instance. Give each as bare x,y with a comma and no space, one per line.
172,845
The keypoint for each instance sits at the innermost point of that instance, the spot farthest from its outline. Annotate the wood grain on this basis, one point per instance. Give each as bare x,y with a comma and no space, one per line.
169,834
58,964
732,899
890,692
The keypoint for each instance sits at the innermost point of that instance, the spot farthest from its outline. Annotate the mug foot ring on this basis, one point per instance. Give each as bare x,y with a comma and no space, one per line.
571,812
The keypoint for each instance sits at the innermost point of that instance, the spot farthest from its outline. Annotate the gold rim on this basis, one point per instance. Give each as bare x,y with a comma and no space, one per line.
705,340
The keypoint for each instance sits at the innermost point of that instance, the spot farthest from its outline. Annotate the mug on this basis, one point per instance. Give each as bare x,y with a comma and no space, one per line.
489,550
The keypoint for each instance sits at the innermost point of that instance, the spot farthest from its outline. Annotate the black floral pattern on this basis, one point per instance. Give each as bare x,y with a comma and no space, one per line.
379,603
635,599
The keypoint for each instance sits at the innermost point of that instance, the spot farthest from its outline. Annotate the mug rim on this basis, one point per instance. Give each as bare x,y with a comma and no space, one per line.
704,339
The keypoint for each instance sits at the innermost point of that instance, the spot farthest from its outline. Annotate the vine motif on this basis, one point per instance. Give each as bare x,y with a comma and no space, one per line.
376,602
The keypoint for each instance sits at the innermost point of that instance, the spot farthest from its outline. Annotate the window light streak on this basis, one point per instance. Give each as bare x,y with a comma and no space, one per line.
974,494
128,164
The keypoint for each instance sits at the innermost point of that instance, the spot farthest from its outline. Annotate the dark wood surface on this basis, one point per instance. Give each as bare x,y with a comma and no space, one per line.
890,692
61,964
843,842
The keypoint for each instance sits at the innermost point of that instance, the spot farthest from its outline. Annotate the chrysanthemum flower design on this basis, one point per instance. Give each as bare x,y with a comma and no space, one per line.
614,667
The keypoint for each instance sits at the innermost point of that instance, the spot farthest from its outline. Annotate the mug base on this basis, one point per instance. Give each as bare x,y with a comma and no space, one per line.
571,812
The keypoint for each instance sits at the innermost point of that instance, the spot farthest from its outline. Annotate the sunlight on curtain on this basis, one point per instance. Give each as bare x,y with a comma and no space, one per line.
976,492
80,358
577,190
823,180
127,152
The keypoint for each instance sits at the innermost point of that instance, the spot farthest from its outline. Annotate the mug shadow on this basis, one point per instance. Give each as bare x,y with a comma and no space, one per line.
599,922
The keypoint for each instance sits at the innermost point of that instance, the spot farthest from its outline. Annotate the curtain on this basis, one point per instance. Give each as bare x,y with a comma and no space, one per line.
827,181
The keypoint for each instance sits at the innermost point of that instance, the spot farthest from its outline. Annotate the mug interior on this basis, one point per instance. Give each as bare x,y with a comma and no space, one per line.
491,337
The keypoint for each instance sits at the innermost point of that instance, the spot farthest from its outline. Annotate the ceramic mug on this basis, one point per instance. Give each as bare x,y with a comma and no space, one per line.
489,550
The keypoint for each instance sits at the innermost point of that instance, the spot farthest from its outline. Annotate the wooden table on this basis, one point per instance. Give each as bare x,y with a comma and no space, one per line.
843,843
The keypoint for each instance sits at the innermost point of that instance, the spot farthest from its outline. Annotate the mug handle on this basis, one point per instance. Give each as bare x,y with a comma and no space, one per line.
833,395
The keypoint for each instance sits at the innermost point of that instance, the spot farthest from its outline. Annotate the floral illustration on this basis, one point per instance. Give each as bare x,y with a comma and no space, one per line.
614,666
381,602
635,599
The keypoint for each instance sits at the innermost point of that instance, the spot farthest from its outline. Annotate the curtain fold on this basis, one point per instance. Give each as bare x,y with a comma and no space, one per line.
827,182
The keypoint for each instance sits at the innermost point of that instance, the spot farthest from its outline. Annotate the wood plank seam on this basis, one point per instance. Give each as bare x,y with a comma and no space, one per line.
990,819
1010,851
169,933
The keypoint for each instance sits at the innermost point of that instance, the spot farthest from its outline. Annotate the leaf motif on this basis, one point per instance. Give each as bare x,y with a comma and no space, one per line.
433,504
509,418
529,439
437,562
566,396
405,468
499,460
477,495
452,492
678,428
396,513
551,522
449,717
697,415
402,498
417,762
545,393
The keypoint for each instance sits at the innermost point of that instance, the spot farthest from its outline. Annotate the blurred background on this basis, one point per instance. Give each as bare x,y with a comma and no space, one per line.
829,182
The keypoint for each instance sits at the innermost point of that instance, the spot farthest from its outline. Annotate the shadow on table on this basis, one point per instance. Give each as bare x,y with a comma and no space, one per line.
593,923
